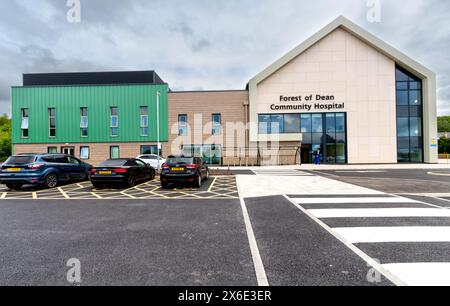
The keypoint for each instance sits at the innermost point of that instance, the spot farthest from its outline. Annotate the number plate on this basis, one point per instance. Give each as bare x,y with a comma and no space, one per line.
14,169
105,172
177,169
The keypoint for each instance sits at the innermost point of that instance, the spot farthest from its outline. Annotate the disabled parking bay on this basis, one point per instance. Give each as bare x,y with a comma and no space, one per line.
218,187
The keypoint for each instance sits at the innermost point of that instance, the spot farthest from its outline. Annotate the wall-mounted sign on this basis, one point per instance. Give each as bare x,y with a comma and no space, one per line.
434,143
307,103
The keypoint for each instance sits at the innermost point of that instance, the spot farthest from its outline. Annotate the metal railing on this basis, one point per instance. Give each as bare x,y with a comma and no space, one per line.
260,156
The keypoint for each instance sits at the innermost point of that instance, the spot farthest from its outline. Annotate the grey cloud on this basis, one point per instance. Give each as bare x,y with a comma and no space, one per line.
201,43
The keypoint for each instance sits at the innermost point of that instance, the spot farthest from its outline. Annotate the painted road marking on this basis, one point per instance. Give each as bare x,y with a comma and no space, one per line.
3,196
212,184
421,274
63,193
379,212
261,276
369,260
353,200
395,234
438,174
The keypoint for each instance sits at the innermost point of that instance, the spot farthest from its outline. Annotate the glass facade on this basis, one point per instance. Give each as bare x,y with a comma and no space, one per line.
409,117
211,154
326,132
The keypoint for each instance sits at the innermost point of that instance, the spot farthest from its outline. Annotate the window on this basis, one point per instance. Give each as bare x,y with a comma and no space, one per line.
150,150
409,117
144,121
264,124
217,124
84,123
114,152
52,150
25,123
52,122
276,124
73,160
292,123
114,124
84,152
182,125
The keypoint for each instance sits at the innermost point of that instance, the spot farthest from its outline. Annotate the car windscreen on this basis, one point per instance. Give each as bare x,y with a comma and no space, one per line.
113,163
180,160
20,160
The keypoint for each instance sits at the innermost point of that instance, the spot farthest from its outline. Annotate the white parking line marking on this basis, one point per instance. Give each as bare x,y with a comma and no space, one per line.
369,260
353,200
96,195
261,276
422,274
63,193
212,184
3,195
395,234
379,212
34,195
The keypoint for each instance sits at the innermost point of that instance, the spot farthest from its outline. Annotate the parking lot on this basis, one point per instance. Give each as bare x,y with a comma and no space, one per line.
218,187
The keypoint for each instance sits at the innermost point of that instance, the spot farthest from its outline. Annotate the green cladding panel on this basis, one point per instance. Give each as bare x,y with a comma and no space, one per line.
67,100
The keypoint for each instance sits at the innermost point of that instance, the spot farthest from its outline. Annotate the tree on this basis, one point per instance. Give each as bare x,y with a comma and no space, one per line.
444,124
5,137
444,145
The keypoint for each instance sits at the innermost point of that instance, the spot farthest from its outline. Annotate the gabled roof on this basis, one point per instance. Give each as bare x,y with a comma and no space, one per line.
341,22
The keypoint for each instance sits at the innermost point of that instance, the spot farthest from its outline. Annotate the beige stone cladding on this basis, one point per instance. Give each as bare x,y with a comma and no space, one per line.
355,74
199,106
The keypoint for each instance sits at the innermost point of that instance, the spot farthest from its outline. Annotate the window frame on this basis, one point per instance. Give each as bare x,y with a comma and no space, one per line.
86,117
111,150
111,125
216,125
144,127
182,124
50,117
88,152
27,116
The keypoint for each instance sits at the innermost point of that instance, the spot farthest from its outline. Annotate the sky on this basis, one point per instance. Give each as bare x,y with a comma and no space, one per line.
203,44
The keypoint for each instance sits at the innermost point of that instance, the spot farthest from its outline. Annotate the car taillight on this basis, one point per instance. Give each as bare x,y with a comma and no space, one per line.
193,166
93,170
35,166
120,170
165,166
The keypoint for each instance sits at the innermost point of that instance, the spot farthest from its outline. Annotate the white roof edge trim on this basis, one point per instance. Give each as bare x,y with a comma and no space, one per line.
400,58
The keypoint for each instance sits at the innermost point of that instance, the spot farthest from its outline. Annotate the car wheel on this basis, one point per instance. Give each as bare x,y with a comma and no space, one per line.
198,184
131,181
14,186
51,180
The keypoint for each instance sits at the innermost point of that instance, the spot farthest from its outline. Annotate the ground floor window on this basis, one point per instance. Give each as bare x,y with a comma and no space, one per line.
114,152
84,152
150,150
52,150
211,154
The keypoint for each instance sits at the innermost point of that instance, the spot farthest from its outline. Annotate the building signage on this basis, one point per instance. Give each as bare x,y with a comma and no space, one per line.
307,103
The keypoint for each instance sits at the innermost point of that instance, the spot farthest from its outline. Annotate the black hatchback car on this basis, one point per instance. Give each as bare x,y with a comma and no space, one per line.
184,169
123,171
42,169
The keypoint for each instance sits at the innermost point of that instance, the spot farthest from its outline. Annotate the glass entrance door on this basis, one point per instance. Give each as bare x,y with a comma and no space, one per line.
68,151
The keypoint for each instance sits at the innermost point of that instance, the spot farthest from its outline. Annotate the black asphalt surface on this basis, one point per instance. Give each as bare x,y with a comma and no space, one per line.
296,251
158,242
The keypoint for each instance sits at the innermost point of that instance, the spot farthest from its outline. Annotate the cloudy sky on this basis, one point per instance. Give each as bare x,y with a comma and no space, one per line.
202,44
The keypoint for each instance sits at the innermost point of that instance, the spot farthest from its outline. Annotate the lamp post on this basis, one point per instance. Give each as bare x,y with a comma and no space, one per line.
158,94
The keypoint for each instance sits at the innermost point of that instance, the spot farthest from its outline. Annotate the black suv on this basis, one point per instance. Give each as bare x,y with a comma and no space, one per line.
184,169
45,169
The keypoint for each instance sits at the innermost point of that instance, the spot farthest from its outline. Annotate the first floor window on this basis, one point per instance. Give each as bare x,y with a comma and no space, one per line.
84,152
144,121
114,124
52,122
150,150
84,123
182,125
217,124
114,152
52,150
25,123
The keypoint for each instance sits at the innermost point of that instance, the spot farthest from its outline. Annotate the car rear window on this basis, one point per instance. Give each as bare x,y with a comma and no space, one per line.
20,160
113,163
180,160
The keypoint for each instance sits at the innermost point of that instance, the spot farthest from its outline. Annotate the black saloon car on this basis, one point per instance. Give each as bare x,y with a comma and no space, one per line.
184,169
42,169
123,171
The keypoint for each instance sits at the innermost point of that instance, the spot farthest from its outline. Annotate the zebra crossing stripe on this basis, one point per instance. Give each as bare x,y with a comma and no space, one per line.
394,234
353,200
421,274
379,212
